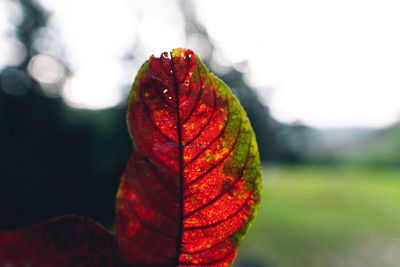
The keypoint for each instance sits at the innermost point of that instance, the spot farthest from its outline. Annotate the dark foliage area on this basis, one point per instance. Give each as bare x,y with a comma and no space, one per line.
54,159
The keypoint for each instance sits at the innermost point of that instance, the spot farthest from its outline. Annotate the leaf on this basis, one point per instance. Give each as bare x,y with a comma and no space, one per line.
192,185
65,241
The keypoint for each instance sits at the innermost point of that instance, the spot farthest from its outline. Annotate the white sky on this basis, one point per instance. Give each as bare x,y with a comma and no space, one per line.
330,63
98,34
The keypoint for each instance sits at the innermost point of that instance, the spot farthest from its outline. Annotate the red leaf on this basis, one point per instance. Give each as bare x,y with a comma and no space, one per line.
65,241
192,185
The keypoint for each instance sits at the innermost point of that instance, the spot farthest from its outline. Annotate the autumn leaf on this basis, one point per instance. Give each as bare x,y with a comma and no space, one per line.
65,241
189,191
192,185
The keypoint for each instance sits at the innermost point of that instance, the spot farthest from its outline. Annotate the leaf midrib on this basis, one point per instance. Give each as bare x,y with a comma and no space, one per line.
179,129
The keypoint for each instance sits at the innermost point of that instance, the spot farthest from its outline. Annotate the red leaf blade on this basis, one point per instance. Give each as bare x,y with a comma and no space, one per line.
145,220
192,186
65,241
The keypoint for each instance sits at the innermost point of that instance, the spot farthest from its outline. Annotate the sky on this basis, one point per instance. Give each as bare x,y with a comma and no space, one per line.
323,63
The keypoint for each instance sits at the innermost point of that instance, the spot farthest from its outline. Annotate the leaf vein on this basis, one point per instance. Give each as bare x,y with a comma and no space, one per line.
223,220
218,163
150,228
220,195
151,200
212,141
197,100
206,124
147,109
211,262
161,95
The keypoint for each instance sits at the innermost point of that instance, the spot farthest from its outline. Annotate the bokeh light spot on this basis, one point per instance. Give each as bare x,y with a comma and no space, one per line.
46,69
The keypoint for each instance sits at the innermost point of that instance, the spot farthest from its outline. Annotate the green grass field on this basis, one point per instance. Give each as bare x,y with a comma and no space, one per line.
326,216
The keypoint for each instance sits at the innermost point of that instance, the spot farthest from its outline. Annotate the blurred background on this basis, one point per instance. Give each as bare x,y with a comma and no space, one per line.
319,81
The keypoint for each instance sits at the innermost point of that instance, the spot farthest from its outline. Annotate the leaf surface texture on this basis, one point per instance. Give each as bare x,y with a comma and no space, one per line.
192,185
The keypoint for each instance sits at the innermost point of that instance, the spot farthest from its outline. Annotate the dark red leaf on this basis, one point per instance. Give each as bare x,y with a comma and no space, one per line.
192,185
65,241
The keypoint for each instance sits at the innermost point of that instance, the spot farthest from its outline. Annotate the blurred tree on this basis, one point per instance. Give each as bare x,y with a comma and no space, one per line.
54,159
